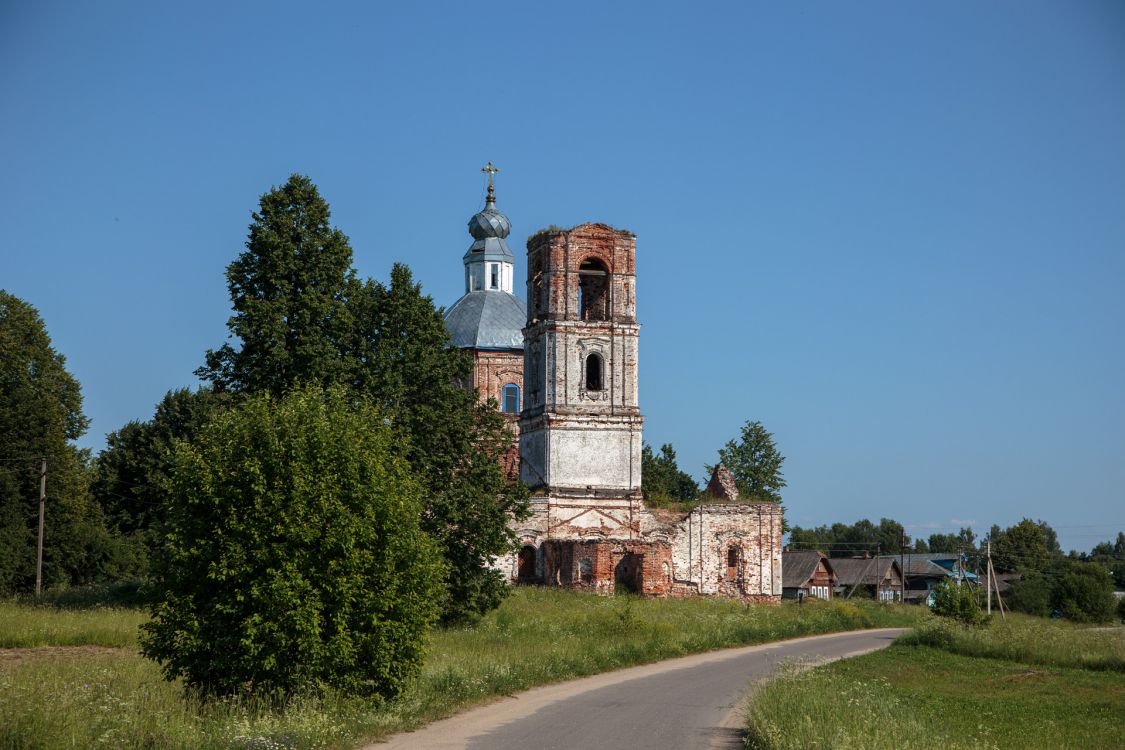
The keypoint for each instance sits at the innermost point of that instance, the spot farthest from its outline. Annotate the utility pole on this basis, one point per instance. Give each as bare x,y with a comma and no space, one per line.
988,585
42,505
902,568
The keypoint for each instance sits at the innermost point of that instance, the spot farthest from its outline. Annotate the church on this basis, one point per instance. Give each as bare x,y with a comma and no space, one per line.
564,370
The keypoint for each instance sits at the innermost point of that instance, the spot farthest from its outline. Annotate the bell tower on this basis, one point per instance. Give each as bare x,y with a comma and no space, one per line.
580,428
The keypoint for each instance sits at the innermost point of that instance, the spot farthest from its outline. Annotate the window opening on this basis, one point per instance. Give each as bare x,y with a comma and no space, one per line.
586,570
511,404
594,369
732,563
593,290
525,570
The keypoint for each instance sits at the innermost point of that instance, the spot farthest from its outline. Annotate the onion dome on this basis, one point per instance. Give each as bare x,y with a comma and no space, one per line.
489,223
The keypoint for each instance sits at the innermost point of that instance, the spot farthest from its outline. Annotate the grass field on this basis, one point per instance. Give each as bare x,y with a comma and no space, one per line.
87,696
1026,684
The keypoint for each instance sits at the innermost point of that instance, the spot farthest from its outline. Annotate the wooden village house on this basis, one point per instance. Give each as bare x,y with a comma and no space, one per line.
874,577
806,573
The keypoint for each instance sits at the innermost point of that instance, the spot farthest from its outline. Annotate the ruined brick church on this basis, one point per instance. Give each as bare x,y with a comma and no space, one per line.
564,369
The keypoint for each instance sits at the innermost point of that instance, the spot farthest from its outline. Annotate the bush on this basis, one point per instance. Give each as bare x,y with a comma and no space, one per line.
1121,608
1084,593
1032,595
957,602
295,558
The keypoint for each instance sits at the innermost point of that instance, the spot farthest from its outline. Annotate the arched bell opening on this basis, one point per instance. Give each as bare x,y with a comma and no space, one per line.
593,290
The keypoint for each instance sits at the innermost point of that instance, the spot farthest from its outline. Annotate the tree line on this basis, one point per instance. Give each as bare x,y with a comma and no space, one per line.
305,515
1043,581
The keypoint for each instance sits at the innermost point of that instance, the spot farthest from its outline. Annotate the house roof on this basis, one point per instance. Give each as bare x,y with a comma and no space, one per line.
798,567
914,565
935,564
857,571
489,319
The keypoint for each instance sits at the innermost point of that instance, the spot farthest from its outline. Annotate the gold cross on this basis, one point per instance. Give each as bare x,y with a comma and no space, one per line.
491,171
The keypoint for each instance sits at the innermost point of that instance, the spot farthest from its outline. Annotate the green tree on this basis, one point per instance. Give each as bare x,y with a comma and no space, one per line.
40,414
962,541
296,559
846,540
661,478
290,289
1083,592
755,463
1026,546
1031,595
301,316
452,440
130,474
1102,552
890,536
958,602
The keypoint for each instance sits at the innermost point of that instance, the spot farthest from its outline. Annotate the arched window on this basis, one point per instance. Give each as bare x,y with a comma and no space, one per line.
511,402
594,372
593,290
732,563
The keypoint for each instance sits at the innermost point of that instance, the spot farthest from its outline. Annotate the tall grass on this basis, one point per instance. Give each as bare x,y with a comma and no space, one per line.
1026,683
1029,640
24,626
537,636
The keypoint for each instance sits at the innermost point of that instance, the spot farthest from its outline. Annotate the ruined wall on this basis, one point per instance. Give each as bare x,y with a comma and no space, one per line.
610,566
702,545
680,554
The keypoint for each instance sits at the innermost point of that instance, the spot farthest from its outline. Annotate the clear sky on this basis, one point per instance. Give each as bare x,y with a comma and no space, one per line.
893,232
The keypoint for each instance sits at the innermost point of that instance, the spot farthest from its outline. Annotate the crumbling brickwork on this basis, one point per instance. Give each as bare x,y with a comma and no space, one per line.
580,445
581,426
722,485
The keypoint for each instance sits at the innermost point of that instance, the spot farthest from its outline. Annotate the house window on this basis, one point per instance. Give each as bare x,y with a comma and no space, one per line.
511,402
594,371
494,276
732,563
586,570
593,290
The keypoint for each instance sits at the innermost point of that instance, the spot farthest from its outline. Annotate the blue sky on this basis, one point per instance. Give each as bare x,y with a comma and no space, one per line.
892,232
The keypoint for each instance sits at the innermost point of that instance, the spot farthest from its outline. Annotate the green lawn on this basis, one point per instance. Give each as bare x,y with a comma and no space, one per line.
1023,684
78,698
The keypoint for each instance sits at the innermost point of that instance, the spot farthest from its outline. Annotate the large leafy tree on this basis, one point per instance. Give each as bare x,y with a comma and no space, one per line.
296,559
661,477
290,291
755,462
453,441
301,316
1028,546
964,540
1082,592
40,414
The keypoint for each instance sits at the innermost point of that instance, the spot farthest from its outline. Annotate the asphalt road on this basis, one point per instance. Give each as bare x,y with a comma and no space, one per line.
680,704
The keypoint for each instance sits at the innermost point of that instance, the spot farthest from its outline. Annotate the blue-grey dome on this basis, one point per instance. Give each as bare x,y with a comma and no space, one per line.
487,320
489,223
